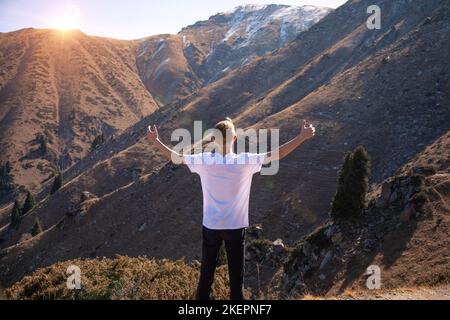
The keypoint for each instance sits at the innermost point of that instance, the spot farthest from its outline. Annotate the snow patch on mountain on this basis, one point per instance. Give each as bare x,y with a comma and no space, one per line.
248,20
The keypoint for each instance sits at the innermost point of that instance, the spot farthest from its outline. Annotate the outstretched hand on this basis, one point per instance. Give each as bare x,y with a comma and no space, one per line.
152,134
307,131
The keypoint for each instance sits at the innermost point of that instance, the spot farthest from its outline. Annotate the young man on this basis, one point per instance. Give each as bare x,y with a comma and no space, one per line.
226,180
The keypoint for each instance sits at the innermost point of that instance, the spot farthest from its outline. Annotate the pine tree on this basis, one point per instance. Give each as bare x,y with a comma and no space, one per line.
6,178
29,203
15,215
57,183
353,184
41,139
37,228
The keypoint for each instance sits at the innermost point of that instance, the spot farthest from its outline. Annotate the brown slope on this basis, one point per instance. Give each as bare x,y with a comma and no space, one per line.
68,87
295,200
164,68
174,66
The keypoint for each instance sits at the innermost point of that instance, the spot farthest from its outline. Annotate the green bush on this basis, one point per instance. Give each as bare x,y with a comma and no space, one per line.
15,215
353,184
57,183
29,203
37,228
6,179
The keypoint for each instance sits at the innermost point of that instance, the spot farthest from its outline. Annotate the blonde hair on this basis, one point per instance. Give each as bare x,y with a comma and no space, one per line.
224,126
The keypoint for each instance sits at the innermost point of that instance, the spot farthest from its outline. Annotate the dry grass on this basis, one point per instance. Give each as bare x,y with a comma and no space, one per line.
122,278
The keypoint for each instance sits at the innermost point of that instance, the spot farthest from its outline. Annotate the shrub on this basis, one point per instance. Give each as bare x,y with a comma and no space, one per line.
57,183
6,178
98,141
121,278
37,228
418,199
353,184
15,215
29,203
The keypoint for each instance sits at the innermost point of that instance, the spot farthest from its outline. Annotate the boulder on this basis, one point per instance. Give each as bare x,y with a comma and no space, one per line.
407,212
326,259
278,246
385,195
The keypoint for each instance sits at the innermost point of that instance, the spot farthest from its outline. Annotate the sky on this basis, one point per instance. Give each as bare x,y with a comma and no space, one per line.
122,19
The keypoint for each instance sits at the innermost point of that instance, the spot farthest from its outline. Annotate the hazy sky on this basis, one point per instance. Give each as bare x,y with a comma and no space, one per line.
122,19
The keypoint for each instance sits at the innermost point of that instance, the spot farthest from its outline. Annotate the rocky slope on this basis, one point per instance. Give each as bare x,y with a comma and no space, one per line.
58,91
61,90
387,89
173,66
404,231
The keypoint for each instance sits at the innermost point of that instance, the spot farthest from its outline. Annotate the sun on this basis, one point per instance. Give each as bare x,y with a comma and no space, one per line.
67,19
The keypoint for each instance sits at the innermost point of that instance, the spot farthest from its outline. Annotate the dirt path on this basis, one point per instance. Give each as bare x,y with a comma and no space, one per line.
436,293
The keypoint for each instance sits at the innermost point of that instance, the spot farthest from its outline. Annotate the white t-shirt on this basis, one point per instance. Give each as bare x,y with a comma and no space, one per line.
226,182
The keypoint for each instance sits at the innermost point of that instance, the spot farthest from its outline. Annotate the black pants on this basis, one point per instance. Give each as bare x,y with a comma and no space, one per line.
234,245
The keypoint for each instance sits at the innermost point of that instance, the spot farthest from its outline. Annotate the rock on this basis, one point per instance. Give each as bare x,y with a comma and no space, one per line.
86,195
326,259
306,249
393,197
255,231
368,244
142,227
407,212
278,246
336,238
25,237
383,200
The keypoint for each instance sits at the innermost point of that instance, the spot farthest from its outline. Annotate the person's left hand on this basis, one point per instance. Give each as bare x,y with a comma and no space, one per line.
307,131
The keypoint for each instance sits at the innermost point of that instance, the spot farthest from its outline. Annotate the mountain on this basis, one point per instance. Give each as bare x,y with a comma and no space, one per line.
387,89
406,238
58,91
62,93
173,66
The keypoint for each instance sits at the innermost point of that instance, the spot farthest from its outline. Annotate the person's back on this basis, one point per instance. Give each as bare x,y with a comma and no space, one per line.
226,180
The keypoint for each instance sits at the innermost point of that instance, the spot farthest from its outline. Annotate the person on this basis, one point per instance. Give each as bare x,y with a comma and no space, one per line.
226,181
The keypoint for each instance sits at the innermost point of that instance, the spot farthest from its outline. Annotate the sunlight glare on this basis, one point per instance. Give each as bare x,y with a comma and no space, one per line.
68,19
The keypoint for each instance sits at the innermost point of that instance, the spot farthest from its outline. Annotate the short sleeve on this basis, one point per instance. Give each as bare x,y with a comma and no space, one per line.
193,161
255,161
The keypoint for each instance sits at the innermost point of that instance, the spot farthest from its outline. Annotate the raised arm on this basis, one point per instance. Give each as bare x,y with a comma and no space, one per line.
307,131
169,154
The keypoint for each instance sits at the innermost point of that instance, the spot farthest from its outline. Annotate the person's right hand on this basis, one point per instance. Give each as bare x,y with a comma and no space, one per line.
152,134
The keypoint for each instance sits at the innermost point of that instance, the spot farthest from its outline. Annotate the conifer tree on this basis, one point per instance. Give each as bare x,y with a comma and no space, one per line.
29,203
37,228
353,184
15,215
